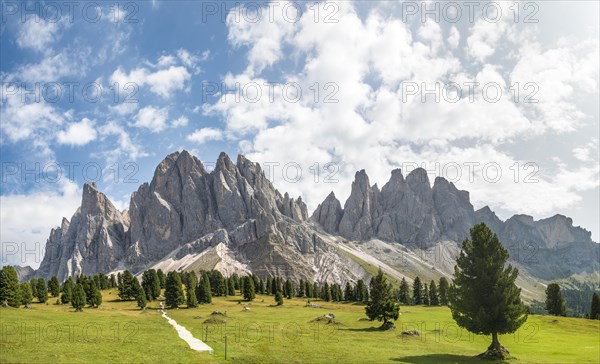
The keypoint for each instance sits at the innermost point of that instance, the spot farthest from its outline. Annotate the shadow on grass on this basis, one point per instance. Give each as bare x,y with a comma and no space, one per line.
365,329
438,359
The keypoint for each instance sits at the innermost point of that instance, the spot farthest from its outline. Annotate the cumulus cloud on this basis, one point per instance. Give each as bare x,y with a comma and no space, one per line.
38,34
78,134
152,118
203,135
167,78
372,120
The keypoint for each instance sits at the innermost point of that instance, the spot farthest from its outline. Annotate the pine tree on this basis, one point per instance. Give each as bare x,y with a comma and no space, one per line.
126,286
425,295
161,278
381,306
42,290
289,287
53,286
113,281
173,290
308,289
279,298
483,297
93,295
348,292
595,309
554,301
403,292
10,291
78,300
273,286
151,284
204,293
33,284
443,291
315,290
231,286
192,300
417,289
67,291
248,288
26,294
141,298
433,295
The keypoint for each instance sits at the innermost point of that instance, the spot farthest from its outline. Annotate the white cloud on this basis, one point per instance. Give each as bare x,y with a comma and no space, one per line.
78,134
163,82
152,118
38,34
125,145
181,121
26,219
371,125
205,134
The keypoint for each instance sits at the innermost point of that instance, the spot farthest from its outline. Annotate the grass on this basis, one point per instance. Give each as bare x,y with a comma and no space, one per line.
119,332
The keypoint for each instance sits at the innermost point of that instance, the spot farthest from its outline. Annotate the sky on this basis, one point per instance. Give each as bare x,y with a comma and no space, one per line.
500,98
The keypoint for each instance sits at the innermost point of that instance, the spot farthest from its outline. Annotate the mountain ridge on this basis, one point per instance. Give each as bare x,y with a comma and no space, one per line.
185,208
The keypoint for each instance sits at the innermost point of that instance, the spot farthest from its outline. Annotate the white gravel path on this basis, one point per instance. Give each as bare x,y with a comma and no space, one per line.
183,333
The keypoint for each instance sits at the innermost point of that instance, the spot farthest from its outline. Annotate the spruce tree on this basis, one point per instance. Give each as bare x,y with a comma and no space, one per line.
78,299
403,292
279,298
26,294
127,286
231,286
443,291
33,284
67,291
315,290
417,289
348,292
42,290
425,295
204,293
93,296
248,288
53,286
289,287
595,309
173,290
554,300
10,291
483,297
161,278
308,289
381,306
433,294
192,300
141,298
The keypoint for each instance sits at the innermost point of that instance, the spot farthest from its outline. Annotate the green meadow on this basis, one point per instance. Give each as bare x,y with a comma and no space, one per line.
120,332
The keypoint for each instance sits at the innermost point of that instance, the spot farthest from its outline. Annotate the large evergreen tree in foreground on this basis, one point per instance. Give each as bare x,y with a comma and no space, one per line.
484,298
381,306
173,290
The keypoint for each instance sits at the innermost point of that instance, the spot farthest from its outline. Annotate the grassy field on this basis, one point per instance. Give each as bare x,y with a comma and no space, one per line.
119,332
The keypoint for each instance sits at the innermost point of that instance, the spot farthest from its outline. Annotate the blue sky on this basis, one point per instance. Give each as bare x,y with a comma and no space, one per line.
356,65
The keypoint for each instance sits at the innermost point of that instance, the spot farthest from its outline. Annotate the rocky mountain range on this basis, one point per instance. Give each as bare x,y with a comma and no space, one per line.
233,219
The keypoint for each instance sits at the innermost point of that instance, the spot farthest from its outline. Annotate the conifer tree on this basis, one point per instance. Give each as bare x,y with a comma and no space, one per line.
33,284
483,297
78,299
403,292
67,291
204,292
289,288
231,286
595,309
10,290
348,292
443,291
53,286
381,306
425,295
42,290
26,294
248,288
308,289
173,290
433,294
279,298
192,301
162,279
554,301
417,289
141,298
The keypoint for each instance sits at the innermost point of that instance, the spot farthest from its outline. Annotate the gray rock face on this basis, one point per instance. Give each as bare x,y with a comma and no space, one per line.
93,241
329,213
185,206
24,273
405,211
